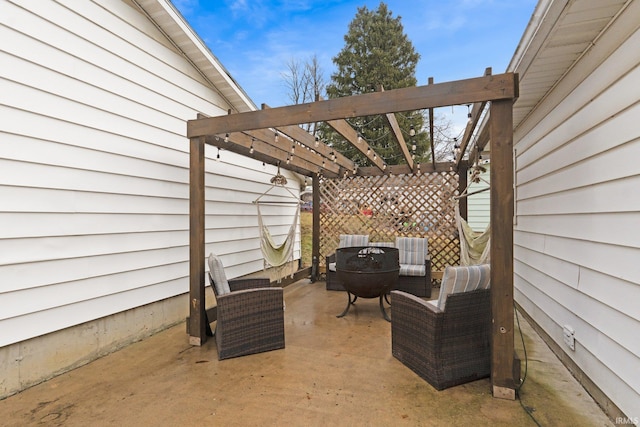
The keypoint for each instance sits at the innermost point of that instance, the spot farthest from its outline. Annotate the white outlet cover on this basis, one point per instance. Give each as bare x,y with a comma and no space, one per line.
568,334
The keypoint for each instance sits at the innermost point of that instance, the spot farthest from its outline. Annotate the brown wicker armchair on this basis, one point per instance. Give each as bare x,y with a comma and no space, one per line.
250,314
447,346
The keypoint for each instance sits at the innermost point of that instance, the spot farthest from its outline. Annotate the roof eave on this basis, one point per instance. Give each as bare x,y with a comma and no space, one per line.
169,20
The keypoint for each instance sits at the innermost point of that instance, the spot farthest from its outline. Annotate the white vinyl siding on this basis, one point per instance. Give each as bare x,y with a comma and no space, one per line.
479,205
94,168
577,238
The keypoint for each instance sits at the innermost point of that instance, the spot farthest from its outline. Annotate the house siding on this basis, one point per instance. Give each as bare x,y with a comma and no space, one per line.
577,240
479,205
94,168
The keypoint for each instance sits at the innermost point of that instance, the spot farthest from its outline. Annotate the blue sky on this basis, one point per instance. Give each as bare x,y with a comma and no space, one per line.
255,39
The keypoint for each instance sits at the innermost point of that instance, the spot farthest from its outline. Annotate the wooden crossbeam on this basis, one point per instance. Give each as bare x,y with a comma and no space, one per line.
392,121
399,138
241,143
351,135
405,169
481,141
476,111
358,141
305,138
308,140
284,143
495,87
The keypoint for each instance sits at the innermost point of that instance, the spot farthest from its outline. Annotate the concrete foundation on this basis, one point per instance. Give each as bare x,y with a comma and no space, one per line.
30,362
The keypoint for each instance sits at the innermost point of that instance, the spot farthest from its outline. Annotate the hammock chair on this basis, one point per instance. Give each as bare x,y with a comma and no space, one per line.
475,247
277,257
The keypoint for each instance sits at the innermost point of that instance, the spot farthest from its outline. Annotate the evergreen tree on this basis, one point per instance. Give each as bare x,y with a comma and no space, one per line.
377,54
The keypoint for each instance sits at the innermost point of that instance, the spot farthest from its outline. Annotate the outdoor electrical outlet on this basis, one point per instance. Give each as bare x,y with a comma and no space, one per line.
569,337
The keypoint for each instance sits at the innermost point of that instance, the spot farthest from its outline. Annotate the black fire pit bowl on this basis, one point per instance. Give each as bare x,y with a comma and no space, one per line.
367,272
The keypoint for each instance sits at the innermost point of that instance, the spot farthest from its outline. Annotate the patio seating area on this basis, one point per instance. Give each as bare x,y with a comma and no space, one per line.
415,265
331,372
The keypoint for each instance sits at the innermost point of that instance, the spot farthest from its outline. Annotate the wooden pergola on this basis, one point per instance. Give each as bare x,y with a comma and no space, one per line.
271,134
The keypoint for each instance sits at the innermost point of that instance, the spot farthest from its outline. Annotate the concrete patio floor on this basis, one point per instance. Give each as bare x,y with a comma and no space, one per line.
332,372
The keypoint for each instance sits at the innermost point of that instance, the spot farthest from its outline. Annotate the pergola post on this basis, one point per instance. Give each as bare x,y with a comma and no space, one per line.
502,341
462,185
315,231
197,316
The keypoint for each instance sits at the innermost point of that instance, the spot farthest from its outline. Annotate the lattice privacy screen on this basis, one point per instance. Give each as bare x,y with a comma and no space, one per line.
387,206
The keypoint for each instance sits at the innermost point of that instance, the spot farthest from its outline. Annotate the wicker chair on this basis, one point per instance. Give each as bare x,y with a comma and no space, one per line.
415,266
250,314
346,240
446,342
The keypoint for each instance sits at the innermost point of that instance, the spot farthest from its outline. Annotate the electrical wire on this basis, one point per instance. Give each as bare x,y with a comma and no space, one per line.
524,376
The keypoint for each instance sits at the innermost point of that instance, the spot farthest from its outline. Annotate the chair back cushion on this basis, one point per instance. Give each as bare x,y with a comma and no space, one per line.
412,250
216,269
349,240
463,279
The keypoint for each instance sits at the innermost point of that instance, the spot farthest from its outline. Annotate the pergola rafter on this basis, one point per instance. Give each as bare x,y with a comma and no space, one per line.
399,138
354,138
481,141
300,135
285,143
242,143
392,122
476,112
500,90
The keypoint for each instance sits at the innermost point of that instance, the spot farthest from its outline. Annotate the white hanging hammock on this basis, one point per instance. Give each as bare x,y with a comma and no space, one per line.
475,247
278,257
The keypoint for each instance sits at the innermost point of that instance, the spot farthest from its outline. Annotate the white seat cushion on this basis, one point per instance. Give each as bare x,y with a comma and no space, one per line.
413,270
463,279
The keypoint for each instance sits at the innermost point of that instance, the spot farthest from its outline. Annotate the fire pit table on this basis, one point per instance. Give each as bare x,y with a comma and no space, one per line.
367,272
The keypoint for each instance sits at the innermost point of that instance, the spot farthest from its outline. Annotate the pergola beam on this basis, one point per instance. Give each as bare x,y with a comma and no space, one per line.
240,143
476,112
352,136
399,138
496,87
403,169
392,121
482,140
356,140
285,144
308,140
